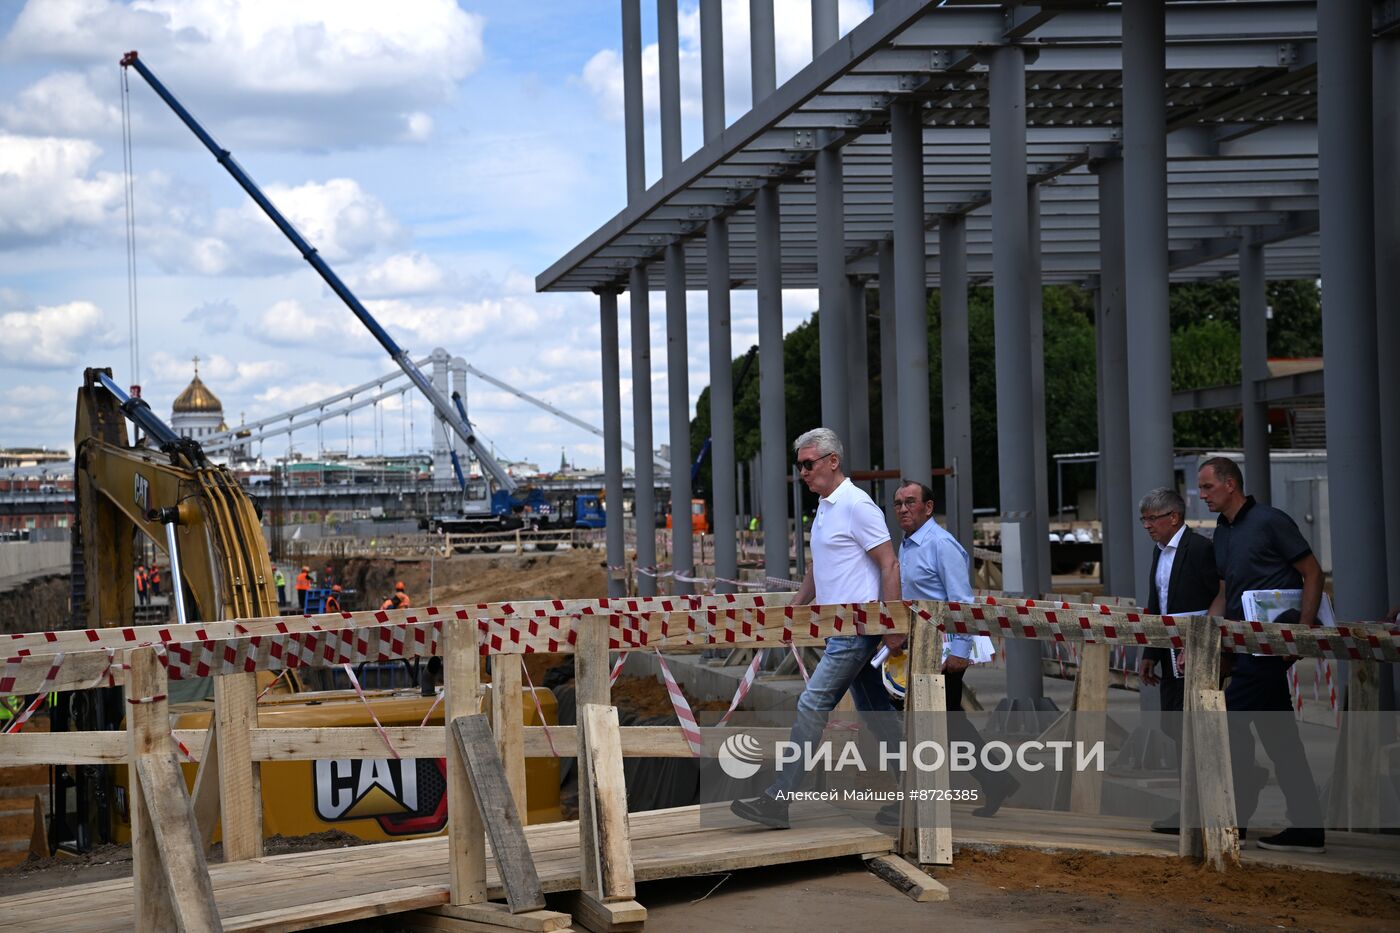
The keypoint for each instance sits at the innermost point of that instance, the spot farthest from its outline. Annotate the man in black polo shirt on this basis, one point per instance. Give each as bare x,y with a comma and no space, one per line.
1257,547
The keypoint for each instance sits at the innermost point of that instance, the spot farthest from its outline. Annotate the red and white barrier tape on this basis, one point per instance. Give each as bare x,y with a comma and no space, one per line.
539,710
744,685
383,733
1294,692
689,727
797,656
437,701
617,668
23,717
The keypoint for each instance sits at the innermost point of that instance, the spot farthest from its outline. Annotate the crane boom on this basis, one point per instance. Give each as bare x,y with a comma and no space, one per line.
308,252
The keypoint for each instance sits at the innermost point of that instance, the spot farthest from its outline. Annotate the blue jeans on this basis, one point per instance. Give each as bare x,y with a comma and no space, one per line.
844,666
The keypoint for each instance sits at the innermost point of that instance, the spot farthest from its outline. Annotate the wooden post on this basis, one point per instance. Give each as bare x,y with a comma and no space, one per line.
240,785
1214,783
508,723
601,780
1089,710
1362,742
1202,673
591,687
466,834
173,892
926,830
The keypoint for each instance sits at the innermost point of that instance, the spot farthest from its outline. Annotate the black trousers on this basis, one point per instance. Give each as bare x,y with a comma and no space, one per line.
1257,697
961,729
1173,693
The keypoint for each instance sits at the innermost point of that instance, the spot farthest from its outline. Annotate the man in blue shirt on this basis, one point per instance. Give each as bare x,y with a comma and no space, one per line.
933,565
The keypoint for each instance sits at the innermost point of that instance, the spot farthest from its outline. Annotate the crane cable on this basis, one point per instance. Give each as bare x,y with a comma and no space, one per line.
129,193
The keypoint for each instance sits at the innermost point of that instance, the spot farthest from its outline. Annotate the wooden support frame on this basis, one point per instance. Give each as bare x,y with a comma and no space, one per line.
1198,838
1220,837
591,688
1089,709
906,878
508,722
1361,736
170,877
240,778
466,834
926,827
516,867
607,904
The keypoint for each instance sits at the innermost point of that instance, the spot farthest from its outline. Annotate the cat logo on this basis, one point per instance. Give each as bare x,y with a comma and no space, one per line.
405,796
142,493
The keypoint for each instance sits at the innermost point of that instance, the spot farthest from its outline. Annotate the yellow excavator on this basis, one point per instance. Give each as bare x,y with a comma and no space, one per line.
164,486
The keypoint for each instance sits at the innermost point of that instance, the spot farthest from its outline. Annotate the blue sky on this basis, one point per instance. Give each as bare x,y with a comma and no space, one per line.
439,156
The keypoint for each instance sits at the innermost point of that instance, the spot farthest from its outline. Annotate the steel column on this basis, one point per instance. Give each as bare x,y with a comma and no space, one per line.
858,374
678,398
1115,495
1011,277
712,68
632,98
772,396
644,466
669,77
612,443
458,367
762,52
831,293
889,374
1385,61
910,290
1037,316
826,25
1351,381
957,374
1145,256
444,477
721,403
1254,367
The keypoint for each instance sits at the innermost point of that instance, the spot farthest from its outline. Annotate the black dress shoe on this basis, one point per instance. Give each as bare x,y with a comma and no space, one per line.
1294,839
1171,826
996,796
763,810
888,815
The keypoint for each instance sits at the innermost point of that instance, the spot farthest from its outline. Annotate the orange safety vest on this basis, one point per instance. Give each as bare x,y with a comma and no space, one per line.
141,581
155,576
303,581
332,604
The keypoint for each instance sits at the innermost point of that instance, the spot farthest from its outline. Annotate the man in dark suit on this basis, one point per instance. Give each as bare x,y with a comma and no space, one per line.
1183,578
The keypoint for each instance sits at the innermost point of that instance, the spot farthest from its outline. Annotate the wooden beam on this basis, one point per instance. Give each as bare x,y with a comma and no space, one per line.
603,782
508,721
1362,728
206,788
514,864
466,835
240,780
907,879
148,731
617,917
497,916
926,827
1202,674
1220,837
185,871
1090,707
591,688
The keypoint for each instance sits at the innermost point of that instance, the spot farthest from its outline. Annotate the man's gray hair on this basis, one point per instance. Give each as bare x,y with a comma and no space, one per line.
1162,499
824,439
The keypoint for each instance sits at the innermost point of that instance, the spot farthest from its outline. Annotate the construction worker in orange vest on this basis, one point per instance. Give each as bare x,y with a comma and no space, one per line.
155,579
303,584
389,603
401,596
333,600
143,582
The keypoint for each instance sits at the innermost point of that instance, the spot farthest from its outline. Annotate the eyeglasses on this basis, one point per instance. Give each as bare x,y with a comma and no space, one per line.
806,466
1149,519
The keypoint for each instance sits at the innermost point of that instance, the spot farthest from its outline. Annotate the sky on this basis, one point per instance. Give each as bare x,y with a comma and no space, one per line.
439,155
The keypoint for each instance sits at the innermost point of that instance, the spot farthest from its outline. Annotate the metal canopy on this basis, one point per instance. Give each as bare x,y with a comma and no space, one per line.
1242,145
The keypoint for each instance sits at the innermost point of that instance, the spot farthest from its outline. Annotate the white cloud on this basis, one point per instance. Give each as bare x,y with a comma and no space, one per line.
400,275
53,336
48,187
337,217
283,73
61,103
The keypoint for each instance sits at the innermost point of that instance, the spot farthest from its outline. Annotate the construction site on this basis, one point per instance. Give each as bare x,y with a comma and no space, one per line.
375,685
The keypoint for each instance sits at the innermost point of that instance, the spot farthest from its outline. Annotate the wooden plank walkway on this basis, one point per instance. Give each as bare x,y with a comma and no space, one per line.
305,890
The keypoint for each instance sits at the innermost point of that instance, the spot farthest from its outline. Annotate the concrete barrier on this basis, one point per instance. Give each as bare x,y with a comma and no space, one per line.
23,558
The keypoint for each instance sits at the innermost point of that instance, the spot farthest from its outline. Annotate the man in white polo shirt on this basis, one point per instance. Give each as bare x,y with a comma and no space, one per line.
852,562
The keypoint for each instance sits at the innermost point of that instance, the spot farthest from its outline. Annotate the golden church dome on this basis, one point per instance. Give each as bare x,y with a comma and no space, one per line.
197,398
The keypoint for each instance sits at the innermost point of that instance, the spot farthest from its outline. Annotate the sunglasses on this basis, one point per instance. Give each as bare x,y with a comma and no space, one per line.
806,466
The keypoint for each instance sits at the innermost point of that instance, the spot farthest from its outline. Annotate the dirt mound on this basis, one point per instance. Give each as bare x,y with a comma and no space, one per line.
563,575
1254,897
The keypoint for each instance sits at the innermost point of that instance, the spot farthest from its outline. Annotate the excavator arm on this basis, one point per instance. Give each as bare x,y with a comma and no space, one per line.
224,564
